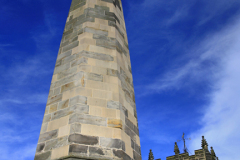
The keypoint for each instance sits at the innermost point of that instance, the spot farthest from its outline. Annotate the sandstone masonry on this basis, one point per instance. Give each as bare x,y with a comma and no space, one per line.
91,111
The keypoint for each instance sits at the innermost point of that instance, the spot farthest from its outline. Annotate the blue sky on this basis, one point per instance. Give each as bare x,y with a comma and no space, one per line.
186,67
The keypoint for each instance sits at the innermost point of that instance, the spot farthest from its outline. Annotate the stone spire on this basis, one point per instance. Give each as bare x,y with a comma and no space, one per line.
91,111
204,143
150,156
213,155
176,149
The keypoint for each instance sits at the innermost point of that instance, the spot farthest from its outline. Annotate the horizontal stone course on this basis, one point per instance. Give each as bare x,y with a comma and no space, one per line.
111,143
43,156
83,139
94,55
75,149
56,143
88,119
77,108
48,136
121,154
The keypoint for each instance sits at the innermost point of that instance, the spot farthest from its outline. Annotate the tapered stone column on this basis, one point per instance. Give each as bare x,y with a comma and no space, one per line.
91,112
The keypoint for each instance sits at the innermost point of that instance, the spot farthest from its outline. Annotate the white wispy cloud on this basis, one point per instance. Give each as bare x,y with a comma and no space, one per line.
220,118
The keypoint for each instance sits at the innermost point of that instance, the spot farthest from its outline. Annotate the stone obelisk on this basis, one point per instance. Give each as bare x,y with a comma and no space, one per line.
91,111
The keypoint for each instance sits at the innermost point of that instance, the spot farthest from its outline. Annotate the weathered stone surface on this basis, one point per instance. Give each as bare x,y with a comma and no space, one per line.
67,79
93,70
78,100
112,72
40,147
93,76
80,4
96,152
61,68
63,55
48,135
67,73
114,105
56,143
94,55
47,118
43,156
78,149
115,123
136,156
88,119
135,147
78,108
94,31
111,143
83,139
75,128
129,132
63,104
70,46
121,154
54,99
80,61
44,127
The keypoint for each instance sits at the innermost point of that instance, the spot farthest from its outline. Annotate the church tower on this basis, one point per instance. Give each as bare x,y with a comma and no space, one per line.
91,111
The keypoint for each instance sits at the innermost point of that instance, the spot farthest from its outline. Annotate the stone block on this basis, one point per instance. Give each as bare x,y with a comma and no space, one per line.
98,131
40,147
61,68
43,156
83,139
54,99
114,105
75,149
44,128
78,100
78,108
115,123
96,152
81,61
60,152
66,73
109,113
55,124
111,143
95,31
75,128
121,154
72,85
67,79
47,118
93,76
56,143
63,55
63,104
94,55
64,131
136,156
70,46
87,119
97,102
102,94
112,72
53,108
48,136
85,68
95,111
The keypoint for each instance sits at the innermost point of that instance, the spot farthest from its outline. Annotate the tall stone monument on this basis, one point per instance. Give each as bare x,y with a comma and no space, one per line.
91,112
